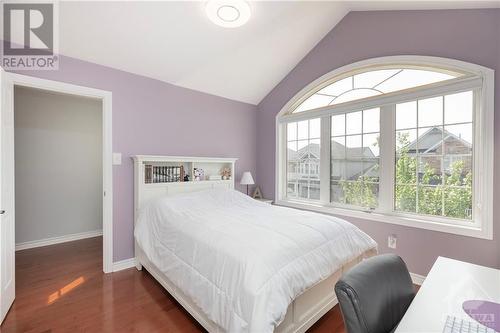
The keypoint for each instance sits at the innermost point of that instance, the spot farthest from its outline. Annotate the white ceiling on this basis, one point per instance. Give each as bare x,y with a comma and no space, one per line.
176,43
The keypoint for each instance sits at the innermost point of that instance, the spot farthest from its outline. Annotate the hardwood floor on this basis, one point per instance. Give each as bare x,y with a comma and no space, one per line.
61,288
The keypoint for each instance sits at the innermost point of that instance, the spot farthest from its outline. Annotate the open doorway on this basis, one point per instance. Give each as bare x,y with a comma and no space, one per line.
58,167
62,158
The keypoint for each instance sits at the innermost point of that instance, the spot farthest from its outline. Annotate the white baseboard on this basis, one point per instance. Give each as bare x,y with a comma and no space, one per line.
417,278
123,264
57,240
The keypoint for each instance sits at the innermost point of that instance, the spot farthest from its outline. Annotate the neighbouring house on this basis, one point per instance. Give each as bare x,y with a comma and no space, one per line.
304,164
432,147
436,145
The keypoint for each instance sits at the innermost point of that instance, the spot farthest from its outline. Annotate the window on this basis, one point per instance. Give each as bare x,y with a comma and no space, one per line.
303,158
355,158
434,145
410,141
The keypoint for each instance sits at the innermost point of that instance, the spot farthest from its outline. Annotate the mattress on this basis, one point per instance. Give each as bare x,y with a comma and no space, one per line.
242,262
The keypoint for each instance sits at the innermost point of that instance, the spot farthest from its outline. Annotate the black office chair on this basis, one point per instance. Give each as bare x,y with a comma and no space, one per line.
375,294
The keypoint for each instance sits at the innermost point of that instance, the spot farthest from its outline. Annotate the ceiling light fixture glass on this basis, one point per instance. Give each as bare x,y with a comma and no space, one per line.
228,13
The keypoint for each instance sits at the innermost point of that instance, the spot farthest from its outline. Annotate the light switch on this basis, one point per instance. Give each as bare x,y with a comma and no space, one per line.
117,158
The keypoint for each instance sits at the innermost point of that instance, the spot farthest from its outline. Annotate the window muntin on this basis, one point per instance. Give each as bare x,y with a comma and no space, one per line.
434,156
373,83
303,159
354,158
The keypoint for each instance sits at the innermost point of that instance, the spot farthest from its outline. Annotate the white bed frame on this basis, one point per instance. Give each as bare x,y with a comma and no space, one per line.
302,313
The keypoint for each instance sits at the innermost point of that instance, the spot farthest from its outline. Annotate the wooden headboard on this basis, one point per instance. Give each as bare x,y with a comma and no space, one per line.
145,189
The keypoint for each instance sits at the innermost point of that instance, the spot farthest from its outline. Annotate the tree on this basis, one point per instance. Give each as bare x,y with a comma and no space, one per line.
450,196
361,192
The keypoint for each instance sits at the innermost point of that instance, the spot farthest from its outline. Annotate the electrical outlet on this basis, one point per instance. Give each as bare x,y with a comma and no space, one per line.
392,241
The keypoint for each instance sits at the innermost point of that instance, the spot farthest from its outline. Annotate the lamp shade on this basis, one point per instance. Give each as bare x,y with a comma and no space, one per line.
247,178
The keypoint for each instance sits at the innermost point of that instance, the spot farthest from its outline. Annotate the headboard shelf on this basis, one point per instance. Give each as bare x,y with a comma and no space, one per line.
145,189
166,169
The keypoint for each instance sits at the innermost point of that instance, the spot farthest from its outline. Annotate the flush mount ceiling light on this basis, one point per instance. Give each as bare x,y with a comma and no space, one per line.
228,13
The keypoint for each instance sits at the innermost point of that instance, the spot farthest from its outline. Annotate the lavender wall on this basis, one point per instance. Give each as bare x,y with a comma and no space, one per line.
468,35
153,117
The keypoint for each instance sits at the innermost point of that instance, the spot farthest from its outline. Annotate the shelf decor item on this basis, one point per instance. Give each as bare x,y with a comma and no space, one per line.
247,179
148,174
226,173
257,194
199,174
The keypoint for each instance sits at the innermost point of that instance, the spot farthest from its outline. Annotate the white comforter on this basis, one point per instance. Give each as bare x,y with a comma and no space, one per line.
242,261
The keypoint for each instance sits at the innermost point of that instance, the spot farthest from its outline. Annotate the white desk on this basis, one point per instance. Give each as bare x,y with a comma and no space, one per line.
448,285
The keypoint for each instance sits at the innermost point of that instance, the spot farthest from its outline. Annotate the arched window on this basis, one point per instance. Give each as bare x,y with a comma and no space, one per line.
402,137
373,82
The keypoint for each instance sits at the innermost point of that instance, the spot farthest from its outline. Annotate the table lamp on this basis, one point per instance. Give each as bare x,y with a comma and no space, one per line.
247,179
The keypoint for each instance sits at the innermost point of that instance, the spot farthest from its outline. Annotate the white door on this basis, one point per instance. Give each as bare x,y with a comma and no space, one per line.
7,240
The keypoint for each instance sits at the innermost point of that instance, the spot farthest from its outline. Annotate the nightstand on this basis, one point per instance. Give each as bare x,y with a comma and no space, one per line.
267,201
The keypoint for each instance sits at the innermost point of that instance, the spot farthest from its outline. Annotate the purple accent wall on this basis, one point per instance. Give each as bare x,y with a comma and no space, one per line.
153,117
467,35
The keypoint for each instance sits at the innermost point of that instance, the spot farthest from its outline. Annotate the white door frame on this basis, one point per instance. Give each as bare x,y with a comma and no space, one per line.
13,79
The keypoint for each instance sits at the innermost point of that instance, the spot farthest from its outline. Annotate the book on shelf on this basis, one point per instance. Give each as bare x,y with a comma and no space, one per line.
163,174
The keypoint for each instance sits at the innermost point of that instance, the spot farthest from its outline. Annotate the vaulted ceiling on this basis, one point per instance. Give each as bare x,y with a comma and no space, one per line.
175,41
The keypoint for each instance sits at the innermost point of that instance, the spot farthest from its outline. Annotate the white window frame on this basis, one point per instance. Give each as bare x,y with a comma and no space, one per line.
477,78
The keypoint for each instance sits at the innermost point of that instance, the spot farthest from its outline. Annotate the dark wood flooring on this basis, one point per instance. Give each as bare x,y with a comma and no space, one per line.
61,288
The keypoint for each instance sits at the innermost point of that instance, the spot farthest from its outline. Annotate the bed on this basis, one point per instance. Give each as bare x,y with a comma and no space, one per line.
237,264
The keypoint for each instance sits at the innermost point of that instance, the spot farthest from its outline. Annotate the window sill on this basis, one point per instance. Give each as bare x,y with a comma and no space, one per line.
470,231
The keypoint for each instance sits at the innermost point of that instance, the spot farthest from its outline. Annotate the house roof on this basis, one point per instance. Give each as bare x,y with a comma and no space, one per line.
312,150
431,141
428,142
